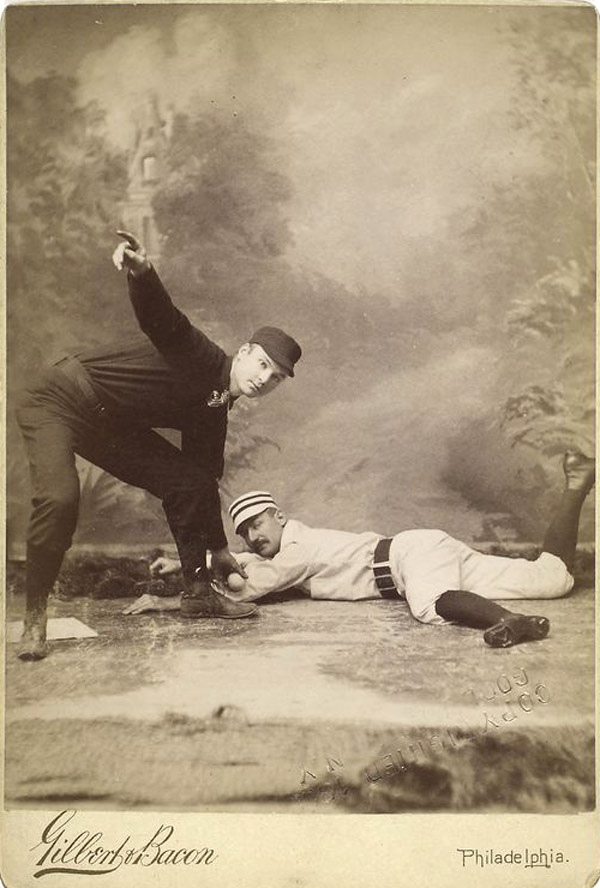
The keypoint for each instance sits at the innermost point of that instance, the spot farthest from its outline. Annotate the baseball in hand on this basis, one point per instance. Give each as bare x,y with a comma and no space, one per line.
235,582
117,256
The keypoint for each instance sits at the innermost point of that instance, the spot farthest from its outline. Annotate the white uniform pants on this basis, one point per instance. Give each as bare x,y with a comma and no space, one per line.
427,563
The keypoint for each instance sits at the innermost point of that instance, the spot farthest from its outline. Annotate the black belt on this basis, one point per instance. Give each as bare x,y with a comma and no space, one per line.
382,570
76,372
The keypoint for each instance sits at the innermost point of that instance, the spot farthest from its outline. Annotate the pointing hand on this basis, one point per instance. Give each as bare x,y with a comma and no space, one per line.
131,255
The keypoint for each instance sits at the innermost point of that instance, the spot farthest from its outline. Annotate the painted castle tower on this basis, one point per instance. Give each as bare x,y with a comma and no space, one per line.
145,172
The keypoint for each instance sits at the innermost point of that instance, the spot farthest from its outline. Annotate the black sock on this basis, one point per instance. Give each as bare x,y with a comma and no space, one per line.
469,609
192,554
41,572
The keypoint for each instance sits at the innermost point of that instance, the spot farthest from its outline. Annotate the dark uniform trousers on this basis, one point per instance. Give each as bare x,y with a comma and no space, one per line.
57,421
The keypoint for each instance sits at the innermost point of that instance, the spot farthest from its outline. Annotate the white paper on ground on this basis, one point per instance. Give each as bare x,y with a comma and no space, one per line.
58,627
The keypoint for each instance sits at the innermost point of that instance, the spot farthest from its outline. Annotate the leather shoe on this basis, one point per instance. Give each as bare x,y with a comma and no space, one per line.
33,645
580,471
515,629
201,600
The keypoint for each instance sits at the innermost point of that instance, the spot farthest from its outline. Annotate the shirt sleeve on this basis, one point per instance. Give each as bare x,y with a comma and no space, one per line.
216,537
287,569
168,328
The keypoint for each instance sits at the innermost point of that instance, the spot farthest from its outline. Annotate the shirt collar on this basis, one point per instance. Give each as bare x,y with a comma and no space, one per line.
291,532
225,380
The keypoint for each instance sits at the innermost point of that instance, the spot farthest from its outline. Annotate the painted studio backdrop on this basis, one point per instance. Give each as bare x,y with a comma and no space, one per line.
409,190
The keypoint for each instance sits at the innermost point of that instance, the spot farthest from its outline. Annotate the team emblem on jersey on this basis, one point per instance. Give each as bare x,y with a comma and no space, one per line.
218,399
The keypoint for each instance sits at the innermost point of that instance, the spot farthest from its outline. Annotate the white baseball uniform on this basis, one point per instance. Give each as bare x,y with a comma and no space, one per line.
338,565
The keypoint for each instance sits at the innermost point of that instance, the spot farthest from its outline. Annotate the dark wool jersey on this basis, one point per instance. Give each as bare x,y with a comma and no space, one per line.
174,377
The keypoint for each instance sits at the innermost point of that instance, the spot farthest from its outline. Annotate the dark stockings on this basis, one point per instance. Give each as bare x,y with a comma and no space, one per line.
469,609
561,536
43,565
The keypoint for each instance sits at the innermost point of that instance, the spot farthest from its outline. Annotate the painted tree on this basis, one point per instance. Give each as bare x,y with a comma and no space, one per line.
64,186
220,207
554,67
534,241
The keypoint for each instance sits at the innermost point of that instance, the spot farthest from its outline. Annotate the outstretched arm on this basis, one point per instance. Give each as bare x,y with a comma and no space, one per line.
166,326
223,564
290,567
255,578
158,318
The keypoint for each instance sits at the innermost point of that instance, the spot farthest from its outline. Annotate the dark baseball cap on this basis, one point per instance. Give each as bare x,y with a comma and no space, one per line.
280,347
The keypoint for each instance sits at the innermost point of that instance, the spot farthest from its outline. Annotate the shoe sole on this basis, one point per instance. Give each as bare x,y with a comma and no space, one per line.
32,656
211,616
515,631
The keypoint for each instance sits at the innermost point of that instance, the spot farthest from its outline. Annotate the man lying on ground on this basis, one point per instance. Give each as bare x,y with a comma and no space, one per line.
441,579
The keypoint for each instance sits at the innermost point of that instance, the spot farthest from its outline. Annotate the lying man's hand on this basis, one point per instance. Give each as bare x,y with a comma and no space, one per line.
164,566
147,602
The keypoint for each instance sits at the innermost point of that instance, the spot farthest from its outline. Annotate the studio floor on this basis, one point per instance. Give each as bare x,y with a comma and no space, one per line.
310,706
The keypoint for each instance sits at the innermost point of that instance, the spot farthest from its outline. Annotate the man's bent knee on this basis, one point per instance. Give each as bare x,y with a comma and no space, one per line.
552,579
54,519
57,504
426,613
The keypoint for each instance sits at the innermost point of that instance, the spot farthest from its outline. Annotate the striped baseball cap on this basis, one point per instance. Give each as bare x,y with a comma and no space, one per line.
249,505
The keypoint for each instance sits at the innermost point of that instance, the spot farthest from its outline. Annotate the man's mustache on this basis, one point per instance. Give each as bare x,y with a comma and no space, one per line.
256,544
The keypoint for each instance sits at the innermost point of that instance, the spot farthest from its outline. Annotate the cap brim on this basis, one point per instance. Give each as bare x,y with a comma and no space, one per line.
251,512
288,369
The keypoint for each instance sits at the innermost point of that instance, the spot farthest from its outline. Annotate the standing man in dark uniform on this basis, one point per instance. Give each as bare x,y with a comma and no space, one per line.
105,404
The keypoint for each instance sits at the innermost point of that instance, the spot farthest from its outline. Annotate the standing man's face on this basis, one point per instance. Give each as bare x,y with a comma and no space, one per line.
262,534
253,373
